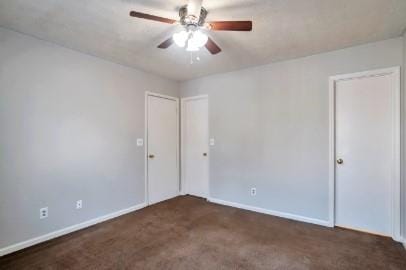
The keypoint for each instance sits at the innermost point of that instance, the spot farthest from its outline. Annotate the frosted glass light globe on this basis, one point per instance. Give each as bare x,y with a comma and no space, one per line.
180,38
199,39
191,47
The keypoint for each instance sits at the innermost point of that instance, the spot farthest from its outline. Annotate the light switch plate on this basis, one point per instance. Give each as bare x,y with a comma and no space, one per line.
140,142
211,142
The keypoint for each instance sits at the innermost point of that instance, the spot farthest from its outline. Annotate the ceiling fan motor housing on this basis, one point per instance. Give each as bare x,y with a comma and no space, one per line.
186,19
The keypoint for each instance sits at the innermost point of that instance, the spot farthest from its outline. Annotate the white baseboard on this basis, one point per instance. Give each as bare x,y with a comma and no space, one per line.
76,227
271,212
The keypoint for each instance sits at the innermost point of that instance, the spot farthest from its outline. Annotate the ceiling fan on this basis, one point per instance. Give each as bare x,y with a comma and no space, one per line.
193,19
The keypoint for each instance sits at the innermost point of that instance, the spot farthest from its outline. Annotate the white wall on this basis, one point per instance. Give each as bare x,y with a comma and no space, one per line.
69,124
271,125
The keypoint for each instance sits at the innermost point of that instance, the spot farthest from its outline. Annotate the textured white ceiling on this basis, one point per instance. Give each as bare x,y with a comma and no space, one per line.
282,29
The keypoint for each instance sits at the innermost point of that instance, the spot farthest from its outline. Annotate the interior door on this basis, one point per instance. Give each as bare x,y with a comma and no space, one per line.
364,145
163,142
195,132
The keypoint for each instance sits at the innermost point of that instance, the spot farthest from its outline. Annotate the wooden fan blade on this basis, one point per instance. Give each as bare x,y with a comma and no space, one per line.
231,25
151,17
212,47
166,43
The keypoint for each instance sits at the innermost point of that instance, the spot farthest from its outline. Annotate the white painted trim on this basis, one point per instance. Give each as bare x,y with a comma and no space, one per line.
195,97
182,119
146,149
270,212
70,229
395,186
147,94
332,161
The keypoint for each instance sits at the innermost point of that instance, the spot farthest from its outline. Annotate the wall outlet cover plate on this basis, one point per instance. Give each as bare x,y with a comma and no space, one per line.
43,212
140,142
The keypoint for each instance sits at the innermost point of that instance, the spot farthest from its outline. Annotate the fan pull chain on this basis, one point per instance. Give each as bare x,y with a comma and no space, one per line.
197,57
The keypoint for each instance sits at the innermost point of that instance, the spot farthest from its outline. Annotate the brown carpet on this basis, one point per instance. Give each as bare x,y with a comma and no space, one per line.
190,233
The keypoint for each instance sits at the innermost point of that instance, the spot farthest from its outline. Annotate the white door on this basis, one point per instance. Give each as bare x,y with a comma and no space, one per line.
162,132
195,139
364,153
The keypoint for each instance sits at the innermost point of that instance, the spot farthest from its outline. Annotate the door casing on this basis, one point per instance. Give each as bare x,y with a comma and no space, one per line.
394,72
146,160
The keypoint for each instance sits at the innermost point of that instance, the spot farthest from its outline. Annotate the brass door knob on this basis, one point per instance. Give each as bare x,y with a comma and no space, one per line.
205,154
151,156
340,161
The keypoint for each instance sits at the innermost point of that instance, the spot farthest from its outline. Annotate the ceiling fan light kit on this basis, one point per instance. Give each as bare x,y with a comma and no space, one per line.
193,37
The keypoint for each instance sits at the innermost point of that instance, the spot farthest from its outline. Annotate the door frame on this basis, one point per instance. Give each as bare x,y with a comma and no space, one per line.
394,72
182,117
146,180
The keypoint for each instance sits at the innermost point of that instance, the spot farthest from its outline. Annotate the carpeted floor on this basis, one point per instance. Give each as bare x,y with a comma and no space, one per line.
190,233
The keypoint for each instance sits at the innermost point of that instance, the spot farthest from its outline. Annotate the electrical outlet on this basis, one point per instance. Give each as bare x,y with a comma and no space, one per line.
253,191
43,212
79,204
211,142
